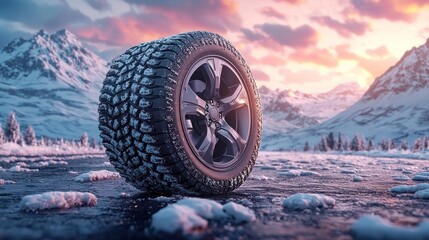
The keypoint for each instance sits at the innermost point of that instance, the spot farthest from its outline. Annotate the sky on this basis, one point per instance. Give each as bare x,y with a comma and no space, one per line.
305,45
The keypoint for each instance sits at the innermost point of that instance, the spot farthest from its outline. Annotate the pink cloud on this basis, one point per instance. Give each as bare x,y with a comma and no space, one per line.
393,10
271,12
322,57
260,75
346,29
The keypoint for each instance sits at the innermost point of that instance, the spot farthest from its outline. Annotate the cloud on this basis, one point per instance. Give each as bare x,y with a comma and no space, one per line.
393,10
291,1
322,57
155,19
345,29
343,52
271,12
300,37
38,15
260,75
100,5
379,52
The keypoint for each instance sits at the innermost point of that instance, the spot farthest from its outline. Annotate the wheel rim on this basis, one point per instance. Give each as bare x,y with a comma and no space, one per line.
215,112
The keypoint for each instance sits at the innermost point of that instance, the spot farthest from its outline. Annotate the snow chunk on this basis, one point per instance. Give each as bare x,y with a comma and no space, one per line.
357,179
177,218
301,201
410,188
423,194
260,177
205,208
63,200
191,214
3,182
375,227
401,178
20,168
96,175
239,213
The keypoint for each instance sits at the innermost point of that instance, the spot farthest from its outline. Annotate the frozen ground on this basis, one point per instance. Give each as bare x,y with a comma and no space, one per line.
351,187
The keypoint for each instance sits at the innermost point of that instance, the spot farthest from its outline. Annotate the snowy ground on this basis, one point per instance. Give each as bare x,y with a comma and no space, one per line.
338,190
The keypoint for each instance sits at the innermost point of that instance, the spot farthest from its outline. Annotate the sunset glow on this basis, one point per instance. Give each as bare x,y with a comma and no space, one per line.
310,46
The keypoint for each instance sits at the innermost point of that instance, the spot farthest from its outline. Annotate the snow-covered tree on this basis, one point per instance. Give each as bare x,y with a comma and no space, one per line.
1,135
306,147
426,143
84,140
93,143
42,141
418,145
392,144
346,144
13,131
340,146
358,143
317,148
404,144
371,145
324,144
331,141
30,136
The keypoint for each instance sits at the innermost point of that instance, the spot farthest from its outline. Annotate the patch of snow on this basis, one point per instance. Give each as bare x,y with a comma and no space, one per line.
73,172
348,171
205,208
301,201
177,218
308,173
239,213
19,168
357,179
10,151
190,215
375,227
63,200
260,177
124,195
423,194
409,188
96,175
3,182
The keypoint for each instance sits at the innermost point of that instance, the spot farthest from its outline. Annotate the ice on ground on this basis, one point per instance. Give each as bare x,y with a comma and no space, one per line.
239,213
308,173
422,176
3,182
20,168
374,227
260,177
2,169
401,178
96,175
301,201
13,149
63,200
348,171
191,214
296,173
409,188
423,194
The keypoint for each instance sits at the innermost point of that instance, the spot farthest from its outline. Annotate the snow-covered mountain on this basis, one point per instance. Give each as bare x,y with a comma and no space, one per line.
288,110
52,82
395,106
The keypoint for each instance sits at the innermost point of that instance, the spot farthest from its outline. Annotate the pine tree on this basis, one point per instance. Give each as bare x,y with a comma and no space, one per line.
425,143
30,136
1,135
371,145
340,146
355,143
306,147
324,144
13,131
404,144
42,141
317,148
331,141
93,143
418,145
392,144
84,140
362,143
346,144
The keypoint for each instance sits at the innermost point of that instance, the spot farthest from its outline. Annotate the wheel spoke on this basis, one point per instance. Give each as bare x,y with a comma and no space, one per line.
233,138
234,101
191,103
213,68
206,145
